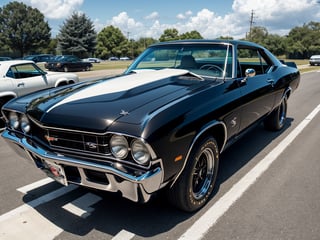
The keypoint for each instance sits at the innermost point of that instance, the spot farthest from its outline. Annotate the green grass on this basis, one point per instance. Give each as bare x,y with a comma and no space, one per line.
105,65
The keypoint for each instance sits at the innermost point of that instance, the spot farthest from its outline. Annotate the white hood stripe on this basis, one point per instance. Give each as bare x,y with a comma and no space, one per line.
122,83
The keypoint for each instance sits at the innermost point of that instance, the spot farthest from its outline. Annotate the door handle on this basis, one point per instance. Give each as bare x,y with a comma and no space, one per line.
271,81
21,84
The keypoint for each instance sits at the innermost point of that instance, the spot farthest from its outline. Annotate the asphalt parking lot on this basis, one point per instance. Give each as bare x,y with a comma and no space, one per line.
268,188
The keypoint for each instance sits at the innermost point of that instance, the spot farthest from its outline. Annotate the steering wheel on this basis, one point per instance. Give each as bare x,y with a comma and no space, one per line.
212,67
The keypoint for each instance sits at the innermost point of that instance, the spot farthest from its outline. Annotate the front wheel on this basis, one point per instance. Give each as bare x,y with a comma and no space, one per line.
193,188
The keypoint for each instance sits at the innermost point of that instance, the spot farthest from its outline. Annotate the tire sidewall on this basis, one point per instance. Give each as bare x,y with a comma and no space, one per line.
191,201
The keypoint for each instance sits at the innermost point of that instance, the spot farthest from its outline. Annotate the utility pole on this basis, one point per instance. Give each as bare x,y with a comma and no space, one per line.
251,23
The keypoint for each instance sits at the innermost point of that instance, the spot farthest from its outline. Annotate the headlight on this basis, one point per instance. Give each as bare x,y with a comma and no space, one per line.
119,146
25,124
140,152
13,120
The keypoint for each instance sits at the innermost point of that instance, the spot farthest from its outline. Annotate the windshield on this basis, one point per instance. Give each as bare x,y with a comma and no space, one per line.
212,60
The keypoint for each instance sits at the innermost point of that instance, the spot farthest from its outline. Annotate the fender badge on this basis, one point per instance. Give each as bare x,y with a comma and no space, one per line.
124,113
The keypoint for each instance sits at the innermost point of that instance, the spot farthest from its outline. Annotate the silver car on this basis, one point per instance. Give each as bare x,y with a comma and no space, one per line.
314,60
20,77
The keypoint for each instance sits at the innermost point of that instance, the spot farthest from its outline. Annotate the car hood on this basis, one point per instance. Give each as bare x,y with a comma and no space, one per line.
94,106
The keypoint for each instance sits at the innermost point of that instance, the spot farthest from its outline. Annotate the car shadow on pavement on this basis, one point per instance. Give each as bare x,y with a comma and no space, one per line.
113,213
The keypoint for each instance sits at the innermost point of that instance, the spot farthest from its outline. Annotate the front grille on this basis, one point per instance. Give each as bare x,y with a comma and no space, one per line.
87,146
78,141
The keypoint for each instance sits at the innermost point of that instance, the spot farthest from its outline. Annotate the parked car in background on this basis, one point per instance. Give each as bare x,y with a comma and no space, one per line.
5,58
20,77
113,59
314,60
124,58
39,57
67,63
92,60
161,125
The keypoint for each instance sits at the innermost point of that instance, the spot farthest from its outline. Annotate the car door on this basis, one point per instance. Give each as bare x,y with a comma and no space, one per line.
256,88
27,78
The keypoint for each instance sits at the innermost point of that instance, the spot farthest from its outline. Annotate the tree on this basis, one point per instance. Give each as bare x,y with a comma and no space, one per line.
23,28
142,44
191,35
169,35
258,35
111,42
302,42
77,36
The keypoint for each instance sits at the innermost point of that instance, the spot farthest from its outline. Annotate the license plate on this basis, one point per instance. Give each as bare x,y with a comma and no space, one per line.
56,172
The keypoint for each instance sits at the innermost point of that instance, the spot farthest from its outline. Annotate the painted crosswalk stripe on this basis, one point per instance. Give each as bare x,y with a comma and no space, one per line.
25,222
32,186
82,206
123,235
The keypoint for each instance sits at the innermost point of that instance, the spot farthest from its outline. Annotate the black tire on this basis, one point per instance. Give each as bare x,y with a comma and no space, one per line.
193,188
276,120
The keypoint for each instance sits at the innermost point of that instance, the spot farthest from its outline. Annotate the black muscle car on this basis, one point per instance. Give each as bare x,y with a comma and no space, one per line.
67,63
160,125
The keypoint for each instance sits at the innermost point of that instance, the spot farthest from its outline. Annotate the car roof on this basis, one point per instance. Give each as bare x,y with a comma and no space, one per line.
209,41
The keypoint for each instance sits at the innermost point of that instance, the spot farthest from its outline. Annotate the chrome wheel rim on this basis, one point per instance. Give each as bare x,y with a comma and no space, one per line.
203,173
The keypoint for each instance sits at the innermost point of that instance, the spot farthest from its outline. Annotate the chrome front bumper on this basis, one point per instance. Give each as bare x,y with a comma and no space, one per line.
136,187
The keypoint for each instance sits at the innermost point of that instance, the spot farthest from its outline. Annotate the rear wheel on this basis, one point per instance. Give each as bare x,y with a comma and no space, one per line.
193,188
276,120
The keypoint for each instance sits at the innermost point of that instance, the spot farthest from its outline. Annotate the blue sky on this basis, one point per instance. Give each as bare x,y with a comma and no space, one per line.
212,18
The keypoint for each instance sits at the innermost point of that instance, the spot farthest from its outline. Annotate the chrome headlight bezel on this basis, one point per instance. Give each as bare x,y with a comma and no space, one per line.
18,121
119,146
13,119
140,152
25,124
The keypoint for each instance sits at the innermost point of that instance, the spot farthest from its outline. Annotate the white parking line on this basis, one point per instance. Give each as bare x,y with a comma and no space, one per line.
123,235
81,207
210,217
25,222
30,187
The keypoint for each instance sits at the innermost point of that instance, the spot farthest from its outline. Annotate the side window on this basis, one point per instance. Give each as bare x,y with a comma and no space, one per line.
252,58
23,71
10,73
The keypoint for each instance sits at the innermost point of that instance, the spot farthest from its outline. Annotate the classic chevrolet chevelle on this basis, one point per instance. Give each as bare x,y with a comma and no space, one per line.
160,125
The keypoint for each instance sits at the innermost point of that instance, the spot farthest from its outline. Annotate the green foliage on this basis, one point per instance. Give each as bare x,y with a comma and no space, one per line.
302,42
191,35
169,35
173,34
111,42
22,28
77,36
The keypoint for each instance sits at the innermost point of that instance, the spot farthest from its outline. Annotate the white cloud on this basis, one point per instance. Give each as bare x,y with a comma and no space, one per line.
152,16
55,9
277,16
185,15
130,27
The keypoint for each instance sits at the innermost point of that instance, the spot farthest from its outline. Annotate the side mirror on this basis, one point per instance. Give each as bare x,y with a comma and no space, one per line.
250,72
